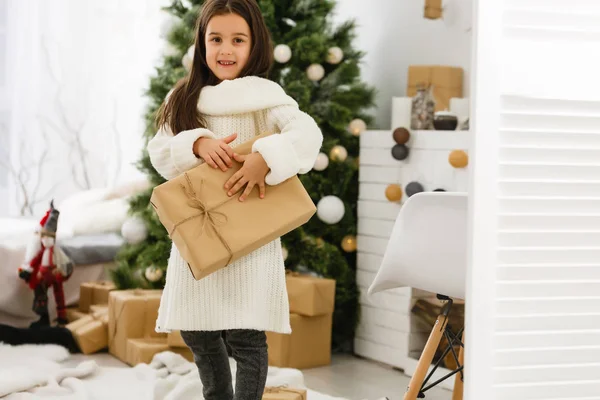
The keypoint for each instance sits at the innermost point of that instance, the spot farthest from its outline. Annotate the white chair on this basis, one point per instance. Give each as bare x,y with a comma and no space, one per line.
428,250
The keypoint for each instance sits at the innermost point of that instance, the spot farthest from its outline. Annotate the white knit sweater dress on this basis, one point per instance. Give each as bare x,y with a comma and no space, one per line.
250,293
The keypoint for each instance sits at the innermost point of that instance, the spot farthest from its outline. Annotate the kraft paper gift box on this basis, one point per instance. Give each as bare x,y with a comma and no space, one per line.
90,332
132,314
211,229
73,314
91,293
144,350
308,346
175,340
283,393
310,296
446,82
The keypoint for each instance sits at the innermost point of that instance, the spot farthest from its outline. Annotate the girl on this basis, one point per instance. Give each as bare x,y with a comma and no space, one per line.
226,100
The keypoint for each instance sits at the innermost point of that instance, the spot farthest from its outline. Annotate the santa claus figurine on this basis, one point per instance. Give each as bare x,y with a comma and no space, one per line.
45,266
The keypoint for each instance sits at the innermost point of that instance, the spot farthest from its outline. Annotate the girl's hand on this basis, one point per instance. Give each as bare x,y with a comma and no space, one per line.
215,152
252,173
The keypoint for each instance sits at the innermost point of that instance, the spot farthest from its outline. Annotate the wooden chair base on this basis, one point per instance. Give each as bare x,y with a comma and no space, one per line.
420,378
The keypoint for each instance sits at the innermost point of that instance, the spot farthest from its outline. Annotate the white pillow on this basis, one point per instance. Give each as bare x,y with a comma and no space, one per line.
73,206
102,217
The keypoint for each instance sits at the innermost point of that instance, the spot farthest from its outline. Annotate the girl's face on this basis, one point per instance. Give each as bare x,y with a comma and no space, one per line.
228,43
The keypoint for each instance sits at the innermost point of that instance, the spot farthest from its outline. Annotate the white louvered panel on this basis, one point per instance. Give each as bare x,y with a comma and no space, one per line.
371,174
375,227
387,301
368,262
386,354
550,272
371,209
553,305
373,245
549,338
536,242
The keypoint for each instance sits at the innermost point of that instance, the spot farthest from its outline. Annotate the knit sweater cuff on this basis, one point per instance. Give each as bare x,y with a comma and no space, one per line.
280,156
182,152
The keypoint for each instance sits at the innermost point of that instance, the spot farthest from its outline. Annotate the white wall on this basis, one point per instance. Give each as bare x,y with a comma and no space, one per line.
395,35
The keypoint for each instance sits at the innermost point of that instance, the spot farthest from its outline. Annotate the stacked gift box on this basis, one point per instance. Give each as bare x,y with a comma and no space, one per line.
89,321
311,310
131,320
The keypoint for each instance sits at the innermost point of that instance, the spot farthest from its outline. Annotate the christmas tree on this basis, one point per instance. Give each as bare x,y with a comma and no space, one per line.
317,66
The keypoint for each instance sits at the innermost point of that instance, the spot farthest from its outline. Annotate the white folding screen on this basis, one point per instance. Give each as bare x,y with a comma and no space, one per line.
533,316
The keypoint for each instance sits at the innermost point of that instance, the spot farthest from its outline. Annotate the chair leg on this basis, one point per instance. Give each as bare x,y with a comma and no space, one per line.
416,382
457,394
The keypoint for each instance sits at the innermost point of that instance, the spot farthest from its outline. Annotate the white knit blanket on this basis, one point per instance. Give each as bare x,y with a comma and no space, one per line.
37,372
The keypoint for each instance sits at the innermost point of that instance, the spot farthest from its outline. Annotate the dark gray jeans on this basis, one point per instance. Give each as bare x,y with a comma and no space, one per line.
249,350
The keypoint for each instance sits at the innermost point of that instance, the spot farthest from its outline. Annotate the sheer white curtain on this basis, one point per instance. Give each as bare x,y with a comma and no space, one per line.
73,74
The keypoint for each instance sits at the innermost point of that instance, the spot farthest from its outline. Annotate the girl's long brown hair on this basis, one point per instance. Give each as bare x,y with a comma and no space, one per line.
181,112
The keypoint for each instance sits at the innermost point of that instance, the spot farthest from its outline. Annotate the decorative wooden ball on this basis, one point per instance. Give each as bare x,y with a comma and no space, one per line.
357,126
458,158
393,192
401,135
413,188
400,152
338,153
349,243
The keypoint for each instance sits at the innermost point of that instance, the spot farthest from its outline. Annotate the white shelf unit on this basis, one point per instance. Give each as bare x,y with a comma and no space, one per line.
387,332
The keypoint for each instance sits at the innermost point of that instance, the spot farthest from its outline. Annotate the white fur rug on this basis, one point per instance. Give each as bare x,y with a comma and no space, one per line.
37,372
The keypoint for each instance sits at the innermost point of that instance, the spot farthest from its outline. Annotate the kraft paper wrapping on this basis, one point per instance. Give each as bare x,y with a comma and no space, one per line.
310,296
308,346
283,393
175,340
132,314
91,293
198,215
73,314
143,350
90,332
446,82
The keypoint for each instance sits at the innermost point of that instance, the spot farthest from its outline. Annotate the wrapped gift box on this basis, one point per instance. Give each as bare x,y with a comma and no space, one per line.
91,293
175,340
132,314
73,314
283,393
446,82
310,296
90,332
308,346
198,214
143,350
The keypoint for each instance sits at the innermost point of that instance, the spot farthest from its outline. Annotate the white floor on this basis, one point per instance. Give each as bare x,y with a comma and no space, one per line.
347,376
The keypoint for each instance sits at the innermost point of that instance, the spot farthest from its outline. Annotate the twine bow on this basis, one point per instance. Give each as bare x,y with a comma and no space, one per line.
212,217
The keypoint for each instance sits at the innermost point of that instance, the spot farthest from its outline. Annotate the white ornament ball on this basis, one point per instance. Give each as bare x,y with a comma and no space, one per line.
134,230
188,59
153,274
315,72
330,209
282,53
322,162
285,253
170,50
357,126
335,55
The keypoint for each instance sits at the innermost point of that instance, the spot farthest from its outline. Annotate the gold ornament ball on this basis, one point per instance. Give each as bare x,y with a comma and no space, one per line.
320,242
153,274
393,192
338,153
349,243
335,55
458,158
315,72
357,126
